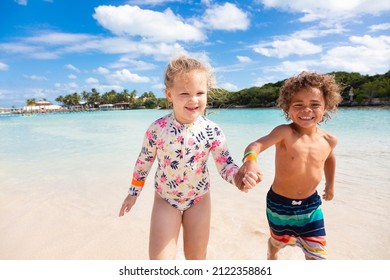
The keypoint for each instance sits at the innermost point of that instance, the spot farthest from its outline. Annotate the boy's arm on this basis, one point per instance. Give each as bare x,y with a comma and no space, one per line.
329,171
330,168
255,148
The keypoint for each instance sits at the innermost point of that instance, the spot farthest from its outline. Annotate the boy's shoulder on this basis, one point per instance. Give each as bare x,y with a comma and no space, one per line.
329,137
283,128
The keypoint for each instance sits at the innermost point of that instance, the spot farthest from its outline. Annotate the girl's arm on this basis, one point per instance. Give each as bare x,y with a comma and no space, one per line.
144,161
222,157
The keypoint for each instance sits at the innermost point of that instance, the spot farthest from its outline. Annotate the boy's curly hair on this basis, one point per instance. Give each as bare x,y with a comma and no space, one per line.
326,83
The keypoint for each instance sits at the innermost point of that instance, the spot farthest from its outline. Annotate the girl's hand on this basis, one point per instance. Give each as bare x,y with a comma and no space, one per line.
251,179
127,204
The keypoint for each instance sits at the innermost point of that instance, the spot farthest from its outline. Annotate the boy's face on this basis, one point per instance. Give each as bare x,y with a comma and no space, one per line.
307,107
188,96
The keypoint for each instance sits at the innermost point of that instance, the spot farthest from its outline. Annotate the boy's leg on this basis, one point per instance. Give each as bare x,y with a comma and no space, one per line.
196,229
272,253
164,230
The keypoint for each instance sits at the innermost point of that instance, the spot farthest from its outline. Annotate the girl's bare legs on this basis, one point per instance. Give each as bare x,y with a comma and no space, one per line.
196,229
164,230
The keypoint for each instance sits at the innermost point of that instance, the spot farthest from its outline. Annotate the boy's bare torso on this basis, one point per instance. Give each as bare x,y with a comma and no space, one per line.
299,161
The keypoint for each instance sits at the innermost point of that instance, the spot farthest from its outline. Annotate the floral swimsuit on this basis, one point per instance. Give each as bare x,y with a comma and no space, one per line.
182,150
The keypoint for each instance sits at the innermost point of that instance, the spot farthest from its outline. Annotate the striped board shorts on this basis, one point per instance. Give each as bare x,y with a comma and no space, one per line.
297,222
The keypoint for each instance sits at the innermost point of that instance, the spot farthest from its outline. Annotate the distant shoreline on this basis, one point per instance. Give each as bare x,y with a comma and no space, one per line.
8,111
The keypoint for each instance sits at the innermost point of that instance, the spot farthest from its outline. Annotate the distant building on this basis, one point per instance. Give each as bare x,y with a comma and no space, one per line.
5,110
42,106
106,107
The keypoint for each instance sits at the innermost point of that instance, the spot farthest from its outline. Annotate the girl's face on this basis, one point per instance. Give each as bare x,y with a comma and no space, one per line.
188,96
307,107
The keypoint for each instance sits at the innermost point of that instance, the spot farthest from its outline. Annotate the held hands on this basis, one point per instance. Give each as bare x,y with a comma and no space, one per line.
250,180
248,176
127,204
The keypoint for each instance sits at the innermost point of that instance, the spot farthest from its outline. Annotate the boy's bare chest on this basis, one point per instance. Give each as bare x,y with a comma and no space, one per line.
305,150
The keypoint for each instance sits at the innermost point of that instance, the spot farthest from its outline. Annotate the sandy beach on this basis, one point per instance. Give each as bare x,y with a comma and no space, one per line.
84,225
60,200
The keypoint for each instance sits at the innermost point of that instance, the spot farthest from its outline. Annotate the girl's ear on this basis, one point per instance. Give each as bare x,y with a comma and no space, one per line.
168,95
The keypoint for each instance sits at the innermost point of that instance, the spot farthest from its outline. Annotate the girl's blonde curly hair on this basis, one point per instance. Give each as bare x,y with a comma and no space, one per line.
184,64
326,83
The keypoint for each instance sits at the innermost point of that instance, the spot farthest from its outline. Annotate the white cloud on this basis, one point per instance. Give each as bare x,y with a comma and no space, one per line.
380,27
260,81
59,38
73,68
226,17
290,68
124,76
331,9
73,85
102,70
149,2
72,77
284,48
133,63
146,24
21,2
229,86
3,66
91,80
244,59
366,55
315,32
44,47
29,50
159,86
35,77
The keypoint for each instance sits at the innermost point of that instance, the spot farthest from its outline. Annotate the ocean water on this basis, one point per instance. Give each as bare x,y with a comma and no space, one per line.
73,170
70,147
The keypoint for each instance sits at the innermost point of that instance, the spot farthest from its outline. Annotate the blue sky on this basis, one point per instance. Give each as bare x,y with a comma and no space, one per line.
50,48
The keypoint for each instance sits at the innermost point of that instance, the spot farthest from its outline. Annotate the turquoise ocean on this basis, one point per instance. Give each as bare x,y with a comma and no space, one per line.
60,147
87,159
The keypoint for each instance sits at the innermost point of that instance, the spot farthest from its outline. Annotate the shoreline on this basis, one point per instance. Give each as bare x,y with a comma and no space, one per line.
23,112
63,180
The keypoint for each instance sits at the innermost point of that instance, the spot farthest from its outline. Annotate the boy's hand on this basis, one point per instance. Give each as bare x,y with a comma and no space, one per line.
328,193
127,204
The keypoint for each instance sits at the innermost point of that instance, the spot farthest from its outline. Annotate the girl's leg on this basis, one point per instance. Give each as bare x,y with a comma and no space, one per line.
196,229
164,230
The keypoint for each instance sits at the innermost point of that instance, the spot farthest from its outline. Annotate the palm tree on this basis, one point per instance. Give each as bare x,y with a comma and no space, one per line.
30,102
60,99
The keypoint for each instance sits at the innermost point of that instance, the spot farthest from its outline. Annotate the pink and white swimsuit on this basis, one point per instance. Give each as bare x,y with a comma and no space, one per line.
182,150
